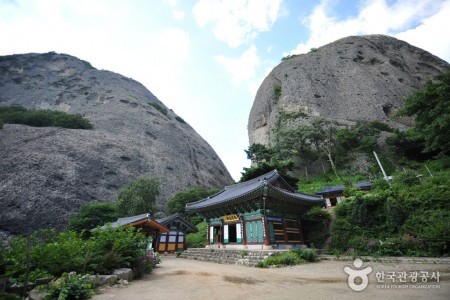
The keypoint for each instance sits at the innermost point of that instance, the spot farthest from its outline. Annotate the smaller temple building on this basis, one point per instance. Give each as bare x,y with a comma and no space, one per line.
333,195
261,213
175,239
147,225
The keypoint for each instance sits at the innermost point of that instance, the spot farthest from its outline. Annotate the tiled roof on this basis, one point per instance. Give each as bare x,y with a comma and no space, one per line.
143,218
129,220
177,217
331,189
250,189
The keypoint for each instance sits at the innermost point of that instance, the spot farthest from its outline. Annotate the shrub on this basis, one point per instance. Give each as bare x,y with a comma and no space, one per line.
197,239
306,254
52,254
42,118
159,108
49,251
293,257
8,296
180,119
281,259
315,226
71,287
277,92
92,215
147,263
112,248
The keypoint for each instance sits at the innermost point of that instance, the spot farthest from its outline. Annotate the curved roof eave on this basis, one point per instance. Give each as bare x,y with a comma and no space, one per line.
237,198
295,197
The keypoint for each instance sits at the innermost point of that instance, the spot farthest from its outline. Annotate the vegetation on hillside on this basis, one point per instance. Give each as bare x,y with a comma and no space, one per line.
431,108
177,203
293,257
41,118
92,215
54,254
138,197
321,141
409,216
198,239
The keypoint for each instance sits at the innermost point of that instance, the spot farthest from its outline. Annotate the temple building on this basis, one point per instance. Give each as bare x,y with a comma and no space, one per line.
175,239
333,195
261,213
144,222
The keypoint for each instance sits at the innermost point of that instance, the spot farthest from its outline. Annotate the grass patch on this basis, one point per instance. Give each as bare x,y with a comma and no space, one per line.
42,118
291,258
277,92
159,108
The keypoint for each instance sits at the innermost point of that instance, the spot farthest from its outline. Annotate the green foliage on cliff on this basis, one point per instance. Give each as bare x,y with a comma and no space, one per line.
198,239
410,217
52,253
42,118
138,197
92,215
431,108
178,202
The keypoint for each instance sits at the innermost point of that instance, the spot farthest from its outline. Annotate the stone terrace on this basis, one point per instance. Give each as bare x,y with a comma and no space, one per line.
236,257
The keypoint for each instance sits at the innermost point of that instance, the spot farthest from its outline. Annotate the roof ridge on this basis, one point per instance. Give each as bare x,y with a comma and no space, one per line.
271,173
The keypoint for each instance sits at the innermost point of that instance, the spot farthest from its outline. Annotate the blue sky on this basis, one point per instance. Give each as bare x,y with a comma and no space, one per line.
205,59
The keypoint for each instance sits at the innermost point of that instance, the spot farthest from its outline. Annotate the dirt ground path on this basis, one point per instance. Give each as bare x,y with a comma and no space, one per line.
179,278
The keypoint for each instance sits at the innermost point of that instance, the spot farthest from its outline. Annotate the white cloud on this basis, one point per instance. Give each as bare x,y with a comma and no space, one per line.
374,17
236,22
243,68
172,3
432,33
116,39
178,14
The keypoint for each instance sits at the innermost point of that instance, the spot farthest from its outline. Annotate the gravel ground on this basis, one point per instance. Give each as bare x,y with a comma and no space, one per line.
190,279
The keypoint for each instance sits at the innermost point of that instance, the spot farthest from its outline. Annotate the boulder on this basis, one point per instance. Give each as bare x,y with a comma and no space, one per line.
124,274
47,174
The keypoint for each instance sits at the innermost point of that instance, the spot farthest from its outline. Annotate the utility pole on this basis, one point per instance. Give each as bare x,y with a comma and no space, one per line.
428,170
381,167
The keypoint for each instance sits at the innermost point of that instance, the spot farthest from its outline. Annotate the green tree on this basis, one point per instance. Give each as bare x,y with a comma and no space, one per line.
259,153
138,197
431,107
178,202
92,215
323,135
198,239
283,167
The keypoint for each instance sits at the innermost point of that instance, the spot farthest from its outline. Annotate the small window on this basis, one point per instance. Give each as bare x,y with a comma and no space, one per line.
162,238
181,238
172,238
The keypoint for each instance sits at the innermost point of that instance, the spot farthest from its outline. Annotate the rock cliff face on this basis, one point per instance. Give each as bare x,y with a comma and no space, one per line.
46,174
354,78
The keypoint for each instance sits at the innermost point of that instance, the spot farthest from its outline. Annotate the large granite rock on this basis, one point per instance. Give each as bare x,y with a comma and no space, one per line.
354,78
46,174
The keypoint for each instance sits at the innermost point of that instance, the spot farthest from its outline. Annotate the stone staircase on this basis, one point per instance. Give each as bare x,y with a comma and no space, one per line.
222,256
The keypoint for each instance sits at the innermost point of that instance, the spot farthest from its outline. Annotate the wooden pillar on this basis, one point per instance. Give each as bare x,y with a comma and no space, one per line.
266,232
208,230
285,231
244,233
300,230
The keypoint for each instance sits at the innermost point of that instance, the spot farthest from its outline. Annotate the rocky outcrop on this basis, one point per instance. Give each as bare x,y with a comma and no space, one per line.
354,78
46,174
